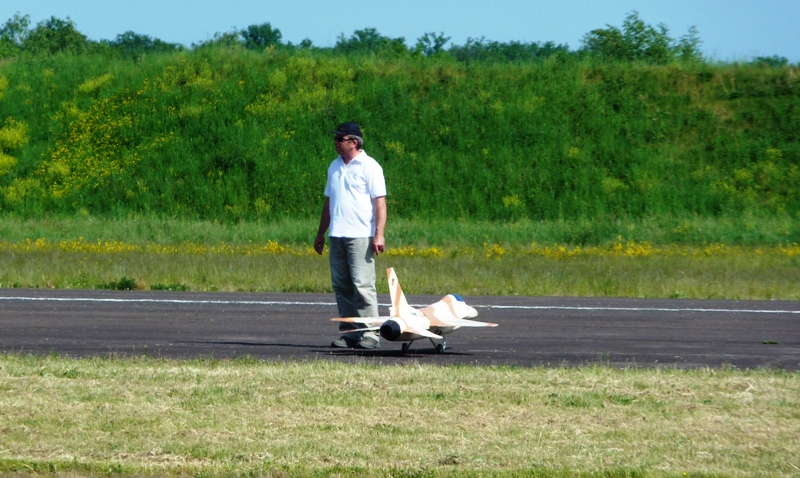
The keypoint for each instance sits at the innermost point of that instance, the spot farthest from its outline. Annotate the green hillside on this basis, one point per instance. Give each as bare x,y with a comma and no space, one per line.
226,132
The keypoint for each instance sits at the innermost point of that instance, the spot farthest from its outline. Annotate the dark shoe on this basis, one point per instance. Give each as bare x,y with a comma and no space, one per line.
343,343
368,343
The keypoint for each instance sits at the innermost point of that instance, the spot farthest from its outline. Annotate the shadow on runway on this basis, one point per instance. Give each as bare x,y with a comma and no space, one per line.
396,353
248,344
410,353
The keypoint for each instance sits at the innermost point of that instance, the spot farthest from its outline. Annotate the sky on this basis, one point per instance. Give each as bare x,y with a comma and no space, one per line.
730,30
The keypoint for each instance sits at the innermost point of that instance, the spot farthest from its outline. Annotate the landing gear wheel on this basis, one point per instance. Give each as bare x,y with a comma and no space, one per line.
440,348
406,345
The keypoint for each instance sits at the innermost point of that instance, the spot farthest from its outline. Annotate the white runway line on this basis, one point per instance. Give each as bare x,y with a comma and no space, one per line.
302,303
639,309
166,301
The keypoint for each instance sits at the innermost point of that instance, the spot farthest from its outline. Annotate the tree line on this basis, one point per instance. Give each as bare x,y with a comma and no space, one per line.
635,41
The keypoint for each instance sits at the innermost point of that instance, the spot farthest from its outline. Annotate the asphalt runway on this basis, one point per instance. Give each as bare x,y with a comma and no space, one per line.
532,331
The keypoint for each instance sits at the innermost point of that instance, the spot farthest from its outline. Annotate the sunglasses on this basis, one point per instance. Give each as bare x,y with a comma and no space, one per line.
340,139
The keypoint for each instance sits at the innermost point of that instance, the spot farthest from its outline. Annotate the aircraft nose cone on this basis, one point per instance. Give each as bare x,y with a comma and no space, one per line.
391,330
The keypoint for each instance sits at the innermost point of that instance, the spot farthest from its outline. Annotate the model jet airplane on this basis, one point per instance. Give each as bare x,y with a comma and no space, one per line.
407,324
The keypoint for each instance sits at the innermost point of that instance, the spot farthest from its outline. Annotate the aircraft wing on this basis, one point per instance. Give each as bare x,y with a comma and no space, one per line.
469,323
366,329
424,333
374,323
370,321
421,332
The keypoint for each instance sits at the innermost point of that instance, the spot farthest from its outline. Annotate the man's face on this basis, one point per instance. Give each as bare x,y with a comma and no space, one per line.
345,144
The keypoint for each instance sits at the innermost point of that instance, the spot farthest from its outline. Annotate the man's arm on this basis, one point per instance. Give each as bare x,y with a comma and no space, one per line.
324,223
378,242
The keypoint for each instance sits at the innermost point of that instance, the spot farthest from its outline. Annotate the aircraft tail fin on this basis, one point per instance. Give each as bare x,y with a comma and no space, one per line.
399,305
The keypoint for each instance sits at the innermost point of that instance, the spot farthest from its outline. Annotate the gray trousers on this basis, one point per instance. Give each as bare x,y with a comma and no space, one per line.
353,278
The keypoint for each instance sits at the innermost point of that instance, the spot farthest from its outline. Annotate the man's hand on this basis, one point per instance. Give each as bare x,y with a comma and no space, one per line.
319,243
379,206
324,222
378,244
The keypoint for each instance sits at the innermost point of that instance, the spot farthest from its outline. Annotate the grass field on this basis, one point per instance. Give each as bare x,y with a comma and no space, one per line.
502,259
740,273
149,417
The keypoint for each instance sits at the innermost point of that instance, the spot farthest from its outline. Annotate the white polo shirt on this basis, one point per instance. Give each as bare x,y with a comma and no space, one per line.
351,189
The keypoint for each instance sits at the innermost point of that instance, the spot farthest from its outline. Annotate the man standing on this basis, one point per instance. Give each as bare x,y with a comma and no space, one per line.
355,212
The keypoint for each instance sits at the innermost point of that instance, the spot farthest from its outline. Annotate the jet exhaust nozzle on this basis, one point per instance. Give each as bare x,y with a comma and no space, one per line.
391,330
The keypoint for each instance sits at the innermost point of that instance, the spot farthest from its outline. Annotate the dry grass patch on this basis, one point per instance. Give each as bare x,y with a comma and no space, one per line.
219,417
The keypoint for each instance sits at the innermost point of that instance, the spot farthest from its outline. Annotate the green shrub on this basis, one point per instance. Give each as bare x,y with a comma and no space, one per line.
125,283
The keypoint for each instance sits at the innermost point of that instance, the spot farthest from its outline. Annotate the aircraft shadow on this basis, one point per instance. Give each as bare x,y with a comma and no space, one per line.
249,344
410,353
397,353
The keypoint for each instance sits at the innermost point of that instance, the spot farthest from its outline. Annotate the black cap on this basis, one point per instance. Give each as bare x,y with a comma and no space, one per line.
348,128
